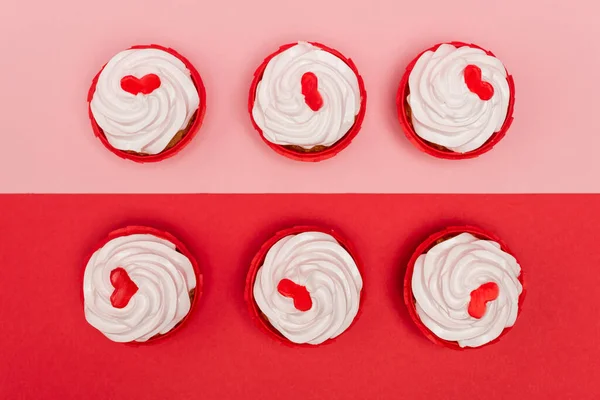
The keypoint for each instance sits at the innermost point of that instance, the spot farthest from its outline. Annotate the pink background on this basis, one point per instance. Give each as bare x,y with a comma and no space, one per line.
51,51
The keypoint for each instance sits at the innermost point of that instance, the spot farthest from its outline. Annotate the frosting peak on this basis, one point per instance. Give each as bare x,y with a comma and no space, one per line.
458,97
313,264
163,279
449,279
143,98
307,97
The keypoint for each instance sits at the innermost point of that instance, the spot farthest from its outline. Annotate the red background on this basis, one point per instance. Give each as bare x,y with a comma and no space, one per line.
48,350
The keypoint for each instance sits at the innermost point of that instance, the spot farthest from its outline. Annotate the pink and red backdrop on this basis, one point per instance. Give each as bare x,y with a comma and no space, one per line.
52,50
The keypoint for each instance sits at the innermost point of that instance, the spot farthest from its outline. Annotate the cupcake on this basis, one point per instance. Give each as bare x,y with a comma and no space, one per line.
463,288
146,103
455,101
139,285
307,101
304,286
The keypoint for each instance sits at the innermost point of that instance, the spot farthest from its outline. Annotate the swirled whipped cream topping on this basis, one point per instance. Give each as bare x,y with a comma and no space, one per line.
163,277
456,111
447,279
143,98
318,266
307,97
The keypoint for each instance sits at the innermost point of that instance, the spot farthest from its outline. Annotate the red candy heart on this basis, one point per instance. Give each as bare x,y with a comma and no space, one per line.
310,90
479,298
146,85
481,88
298,293
125,288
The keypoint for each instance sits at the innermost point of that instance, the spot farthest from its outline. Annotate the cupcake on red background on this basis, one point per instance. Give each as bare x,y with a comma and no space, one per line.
304,286
456,101
139,285
307,101
463,288
147,103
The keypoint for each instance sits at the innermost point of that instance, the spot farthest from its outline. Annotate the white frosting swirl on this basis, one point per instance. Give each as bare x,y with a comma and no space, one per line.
444,110
318,262
280,110
164,278
144,123
444,278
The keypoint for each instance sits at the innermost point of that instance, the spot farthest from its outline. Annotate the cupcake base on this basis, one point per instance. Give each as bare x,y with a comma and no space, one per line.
180,140
194,294
405,115
317,153
423,248
259,318
300,149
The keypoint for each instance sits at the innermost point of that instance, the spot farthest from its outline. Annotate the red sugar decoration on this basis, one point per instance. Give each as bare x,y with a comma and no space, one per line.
145,85
474,82
310,90
479,298
298,293
125,288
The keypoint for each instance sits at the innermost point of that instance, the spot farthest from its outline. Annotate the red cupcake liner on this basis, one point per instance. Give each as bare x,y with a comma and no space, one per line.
261,321
337,146
99,133
423,248
180,247
423,145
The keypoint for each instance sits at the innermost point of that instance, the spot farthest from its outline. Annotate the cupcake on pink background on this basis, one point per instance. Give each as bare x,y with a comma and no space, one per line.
304,286
147,103
139,285
307,101
456,101
463,288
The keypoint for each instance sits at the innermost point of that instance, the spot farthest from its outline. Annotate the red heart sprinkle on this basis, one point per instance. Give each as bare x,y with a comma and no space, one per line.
481,88
479,298
125,288
298,293
146,85
310,90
